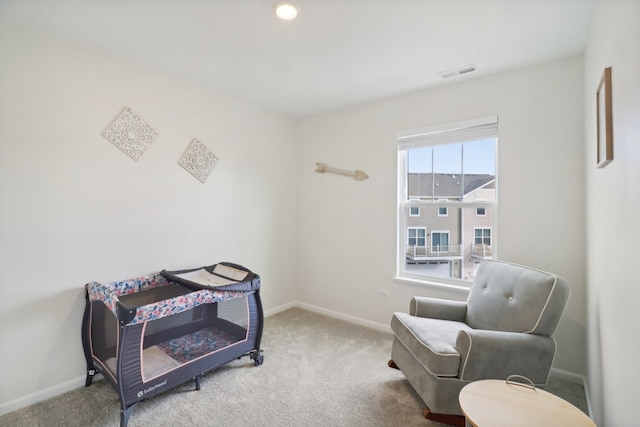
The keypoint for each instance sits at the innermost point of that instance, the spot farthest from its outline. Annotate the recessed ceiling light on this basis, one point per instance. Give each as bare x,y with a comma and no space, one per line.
286,11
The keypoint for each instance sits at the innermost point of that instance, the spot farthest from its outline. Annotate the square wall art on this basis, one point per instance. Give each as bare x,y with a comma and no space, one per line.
130,133
198,160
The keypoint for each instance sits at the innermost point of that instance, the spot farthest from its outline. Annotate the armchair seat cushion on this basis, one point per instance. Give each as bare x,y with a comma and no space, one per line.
431,341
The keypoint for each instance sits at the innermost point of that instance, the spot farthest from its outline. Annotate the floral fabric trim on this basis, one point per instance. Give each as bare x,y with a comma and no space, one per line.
109,294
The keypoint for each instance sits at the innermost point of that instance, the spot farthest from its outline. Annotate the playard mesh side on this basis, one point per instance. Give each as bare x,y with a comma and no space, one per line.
179,324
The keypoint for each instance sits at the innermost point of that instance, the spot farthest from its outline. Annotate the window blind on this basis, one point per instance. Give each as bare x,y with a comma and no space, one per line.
470,130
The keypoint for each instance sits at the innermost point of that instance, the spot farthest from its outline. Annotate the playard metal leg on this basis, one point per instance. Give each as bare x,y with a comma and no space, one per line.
257,356
90,374
124,415
198,379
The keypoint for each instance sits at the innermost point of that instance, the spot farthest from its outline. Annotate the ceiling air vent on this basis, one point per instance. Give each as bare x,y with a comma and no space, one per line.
458,72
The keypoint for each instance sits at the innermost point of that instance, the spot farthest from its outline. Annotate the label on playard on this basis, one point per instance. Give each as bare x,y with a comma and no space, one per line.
152,388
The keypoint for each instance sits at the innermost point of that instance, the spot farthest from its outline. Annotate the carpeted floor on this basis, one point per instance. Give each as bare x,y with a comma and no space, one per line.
317,371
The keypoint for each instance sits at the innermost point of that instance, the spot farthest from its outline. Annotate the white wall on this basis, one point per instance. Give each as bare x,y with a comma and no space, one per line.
613,206
74,208
347,229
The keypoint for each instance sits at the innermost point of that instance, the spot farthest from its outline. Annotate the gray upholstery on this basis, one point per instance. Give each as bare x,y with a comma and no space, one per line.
433,342
503,328
509,297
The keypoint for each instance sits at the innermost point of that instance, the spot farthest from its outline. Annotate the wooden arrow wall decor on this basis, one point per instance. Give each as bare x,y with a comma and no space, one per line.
357,175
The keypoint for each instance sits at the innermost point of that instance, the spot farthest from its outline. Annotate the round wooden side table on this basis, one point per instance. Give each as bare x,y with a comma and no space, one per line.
497,403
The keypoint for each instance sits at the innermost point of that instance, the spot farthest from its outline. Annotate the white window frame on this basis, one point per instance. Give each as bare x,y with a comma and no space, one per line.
411,208
418,237
477,129
481,214
447,232
482,237
446,209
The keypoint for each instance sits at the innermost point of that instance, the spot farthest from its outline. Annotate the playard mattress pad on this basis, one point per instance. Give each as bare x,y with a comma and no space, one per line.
221,276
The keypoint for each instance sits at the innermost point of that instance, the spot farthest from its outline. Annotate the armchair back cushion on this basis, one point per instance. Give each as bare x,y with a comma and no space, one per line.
513,298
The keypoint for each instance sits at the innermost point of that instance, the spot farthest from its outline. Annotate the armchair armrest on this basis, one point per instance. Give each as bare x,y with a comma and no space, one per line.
438,308
496,354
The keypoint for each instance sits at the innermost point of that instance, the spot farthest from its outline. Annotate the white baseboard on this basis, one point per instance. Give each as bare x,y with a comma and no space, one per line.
279,309
349,318
564,375
586,395
40,395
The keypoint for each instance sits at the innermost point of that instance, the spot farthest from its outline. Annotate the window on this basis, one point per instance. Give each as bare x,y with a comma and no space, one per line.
482,236
440,241
447,184
481,244
417,236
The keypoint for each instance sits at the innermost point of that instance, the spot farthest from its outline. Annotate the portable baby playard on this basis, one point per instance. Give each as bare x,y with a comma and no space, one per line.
149,334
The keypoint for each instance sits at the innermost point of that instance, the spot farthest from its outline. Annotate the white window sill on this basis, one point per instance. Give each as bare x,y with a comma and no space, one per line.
432,283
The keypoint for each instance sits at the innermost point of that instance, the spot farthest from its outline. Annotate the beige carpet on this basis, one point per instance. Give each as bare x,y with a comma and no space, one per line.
317,371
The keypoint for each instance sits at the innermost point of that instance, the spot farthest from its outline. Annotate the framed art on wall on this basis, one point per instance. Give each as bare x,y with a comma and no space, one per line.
604,118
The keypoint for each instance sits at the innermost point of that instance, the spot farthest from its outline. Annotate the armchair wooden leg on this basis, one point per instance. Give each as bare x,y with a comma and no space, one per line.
452,420
392,364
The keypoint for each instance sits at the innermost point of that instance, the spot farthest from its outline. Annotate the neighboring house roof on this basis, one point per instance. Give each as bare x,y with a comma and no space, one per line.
447,186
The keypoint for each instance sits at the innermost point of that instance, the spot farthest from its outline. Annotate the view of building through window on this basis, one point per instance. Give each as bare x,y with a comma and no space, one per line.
448,203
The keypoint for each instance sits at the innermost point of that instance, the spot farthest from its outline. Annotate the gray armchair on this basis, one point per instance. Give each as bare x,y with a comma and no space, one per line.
504,328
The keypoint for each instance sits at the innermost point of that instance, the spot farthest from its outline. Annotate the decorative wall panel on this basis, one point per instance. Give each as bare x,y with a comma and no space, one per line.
130,133
198,160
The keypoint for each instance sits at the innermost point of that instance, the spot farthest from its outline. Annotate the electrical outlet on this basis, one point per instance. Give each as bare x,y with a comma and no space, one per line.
382,293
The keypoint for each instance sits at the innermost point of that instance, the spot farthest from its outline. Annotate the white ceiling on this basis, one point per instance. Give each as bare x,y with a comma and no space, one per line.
338,53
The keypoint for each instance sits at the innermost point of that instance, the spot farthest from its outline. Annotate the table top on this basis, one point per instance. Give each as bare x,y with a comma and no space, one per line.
496,403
